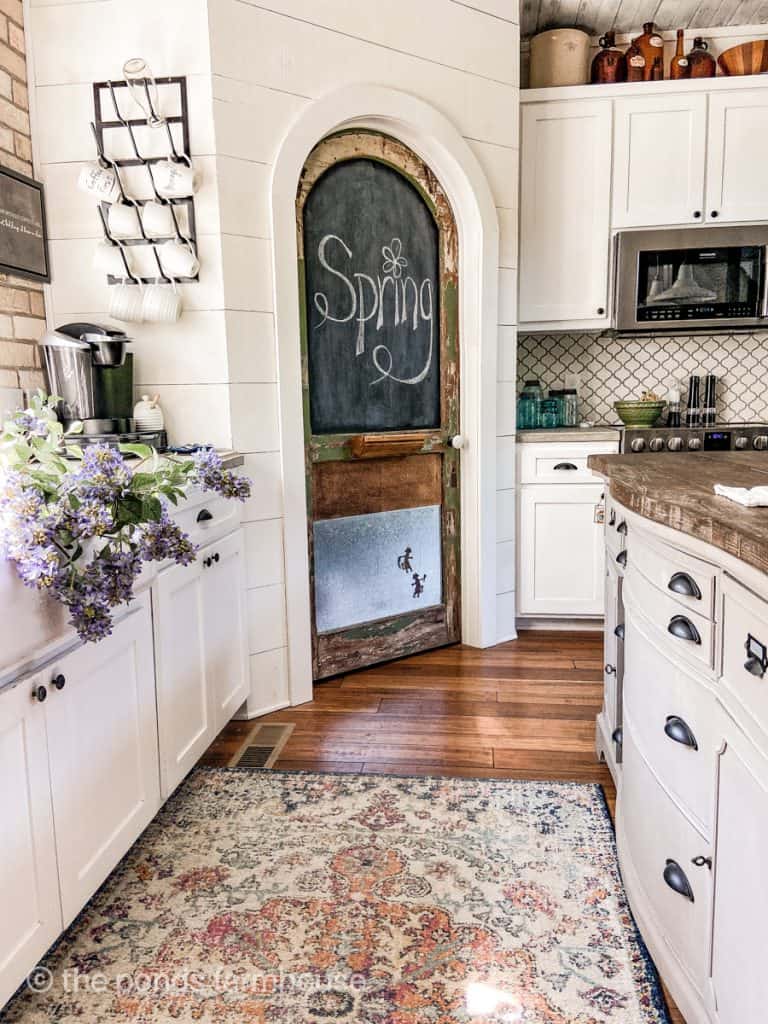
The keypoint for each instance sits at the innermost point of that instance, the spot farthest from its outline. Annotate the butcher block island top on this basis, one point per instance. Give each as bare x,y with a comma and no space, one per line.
679,493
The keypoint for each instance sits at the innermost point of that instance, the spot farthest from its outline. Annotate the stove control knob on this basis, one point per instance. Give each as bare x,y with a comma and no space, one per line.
675,444
760,443
694,444
741,443
657,444
638,445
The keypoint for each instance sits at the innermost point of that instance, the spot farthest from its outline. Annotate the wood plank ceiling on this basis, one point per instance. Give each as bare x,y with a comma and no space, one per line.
597,16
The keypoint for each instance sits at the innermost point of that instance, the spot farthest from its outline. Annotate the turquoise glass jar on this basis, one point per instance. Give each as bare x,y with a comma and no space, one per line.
528,406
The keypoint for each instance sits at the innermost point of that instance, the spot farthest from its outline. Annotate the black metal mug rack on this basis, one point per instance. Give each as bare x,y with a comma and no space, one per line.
106,96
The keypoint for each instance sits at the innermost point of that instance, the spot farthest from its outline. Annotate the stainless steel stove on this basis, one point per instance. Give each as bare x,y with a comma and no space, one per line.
721,437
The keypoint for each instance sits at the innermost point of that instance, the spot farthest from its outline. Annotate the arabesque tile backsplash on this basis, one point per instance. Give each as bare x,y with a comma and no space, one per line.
612,368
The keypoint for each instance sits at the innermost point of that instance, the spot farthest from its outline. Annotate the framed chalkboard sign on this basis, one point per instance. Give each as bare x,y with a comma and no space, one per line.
23,235
372,294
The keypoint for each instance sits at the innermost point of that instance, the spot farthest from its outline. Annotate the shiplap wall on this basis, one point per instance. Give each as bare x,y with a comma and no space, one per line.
251,68
597,16
269,61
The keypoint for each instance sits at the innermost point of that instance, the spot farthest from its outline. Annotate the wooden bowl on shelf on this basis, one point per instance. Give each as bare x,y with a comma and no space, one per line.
745,59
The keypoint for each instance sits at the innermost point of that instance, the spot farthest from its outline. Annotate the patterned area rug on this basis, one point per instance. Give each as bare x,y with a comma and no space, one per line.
315,899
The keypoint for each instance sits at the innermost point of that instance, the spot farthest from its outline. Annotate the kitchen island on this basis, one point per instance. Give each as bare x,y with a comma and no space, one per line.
684,727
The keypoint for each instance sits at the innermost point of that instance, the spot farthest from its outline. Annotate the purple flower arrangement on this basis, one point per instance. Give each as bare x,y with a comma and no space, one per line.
80,530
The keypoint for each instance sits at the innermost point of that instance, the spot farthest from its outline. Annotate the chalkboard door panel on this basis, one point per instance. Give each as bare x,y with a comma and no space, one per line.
379,274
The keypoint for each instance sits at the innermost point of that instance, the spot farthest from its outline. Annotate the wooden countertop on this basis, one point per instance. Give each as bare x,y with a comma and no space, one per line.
678,493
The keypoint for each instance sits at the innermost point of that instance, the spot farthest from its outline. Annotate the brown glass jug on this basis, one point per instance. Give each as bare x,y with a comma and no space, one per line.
702,64
609,65
679,66
650,45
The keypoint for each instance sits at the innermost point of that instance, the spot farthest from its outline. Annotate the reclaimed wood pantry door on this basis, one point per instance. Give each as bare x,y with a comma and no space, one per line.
379,282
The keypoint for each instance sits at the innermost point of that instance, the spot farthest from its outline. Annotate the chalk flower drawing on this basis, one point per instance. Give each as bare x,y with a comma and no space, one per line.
394,262
408,301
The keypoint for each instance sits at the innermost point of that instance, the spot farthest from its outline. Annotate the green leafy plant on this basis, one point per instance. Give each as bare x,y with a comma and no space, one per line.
79,522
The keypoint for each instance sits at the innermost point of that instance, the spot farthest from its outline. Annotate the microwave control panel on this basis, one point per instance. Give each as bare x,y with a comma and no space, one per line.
702,311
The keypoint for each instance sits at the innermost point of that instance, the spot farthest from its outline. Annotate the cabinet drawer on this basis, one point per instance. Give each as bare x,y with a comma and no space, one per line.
679,631
662,845
206,517
560,463
688,580
744,675
673,721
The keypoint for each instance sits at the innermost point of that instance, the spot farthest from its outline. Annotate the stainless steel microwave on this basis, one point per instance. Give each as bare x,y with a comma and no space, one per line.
691,278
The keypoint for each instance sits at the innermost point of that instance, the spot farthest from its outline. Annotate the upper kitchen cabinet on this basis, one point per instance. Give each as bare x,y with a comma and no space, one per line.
565,213
659,158
737,156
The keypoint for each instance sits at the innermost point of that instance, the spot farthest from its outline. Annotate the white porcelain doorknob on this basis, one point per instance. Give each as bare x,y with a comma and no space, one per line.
459,441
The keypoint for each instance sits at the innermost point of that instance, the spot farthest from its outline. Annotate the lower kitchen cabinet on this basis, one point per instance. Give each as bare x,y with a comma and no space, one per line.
739,976
561,559
200,653
102,744
29,891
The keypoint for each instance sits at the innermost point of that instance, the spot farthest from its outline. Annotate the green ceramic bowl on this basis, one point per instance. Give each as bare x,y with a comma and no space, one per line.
639,414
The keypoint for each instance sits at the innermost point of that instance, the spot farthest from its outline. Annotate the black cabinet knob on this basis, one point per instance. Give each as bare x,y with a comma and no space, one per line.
612,519
683,629
59,681
216,557
697,214
677,880
679,731
39,694
714,213
207,563
610,670
204,516
701,862
600,311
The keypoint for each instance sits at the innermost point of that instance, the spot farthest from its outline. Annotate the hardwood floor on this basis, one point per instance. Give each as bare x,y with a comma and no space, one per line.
523,710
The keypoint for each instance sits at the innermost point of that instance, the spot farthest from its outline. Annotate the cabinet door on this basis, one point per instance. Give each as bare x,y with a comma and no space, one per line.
102,739
565,210
224,621
184,703
29,891
737,156
561,555
611,647
659,139
739,976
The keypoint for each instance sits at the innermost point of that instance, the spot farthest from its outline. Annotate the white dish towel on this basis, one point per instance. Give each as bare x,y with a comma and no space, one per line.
749,496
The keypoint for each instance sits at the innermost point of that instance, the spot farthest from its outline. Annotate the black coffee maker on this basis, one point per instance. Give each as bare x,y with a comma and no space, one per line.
90,370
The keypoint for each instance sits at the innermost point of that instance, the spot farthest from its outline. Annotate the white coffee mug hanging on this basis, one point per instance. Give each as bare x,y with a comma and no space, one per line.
175,179
99,182
178,259
126,302
157,219
123,221
148,414
162,303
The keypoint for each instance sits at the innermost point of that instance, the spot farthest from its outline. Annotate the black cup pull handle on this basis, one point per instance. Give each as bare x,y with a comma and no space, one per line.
622,527
677,880
617,736
621,558
755,666
565,465
680,732
620,631
681,583
204,516
683,629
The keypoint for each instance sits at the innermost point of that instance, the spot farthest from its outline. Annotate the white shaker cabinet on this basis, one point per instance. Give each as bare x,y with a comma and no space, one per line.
741,890
565,212
102,740
659,158
184,706
29,891
737,156
224,625
200,653
561,560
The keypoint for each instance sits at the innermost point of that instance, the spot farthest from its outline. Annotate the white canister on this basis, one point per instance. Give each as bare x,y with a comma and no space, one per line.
559,57
148,414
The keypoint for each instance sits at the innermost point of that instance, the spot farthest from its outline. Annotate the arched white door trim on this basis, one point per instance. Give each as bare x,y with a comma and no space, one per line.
432,136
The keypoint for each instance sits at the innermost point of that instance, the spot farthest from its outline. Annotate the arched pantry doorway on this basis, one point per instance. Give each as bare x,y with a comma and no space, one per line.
378,280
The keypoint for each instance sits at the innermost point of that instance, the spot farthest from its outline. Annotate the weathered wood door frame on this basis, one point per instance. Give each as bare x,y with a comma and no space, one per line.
416,630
